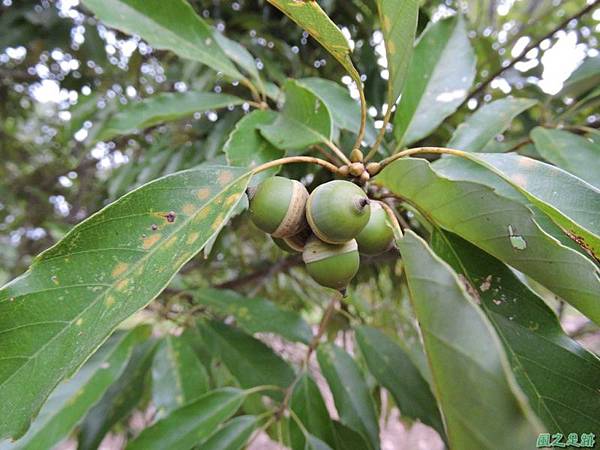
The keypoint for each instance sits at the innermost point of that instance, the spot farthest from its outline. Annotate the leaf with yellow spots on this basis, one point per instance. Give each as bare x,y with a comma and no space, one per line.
107,268
71,400
178,376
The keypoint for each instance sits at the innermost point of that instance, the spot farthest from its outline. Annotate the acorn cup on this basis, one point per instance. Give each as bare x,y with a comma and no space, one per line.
295,243
278,207
331,265
376,237
337,211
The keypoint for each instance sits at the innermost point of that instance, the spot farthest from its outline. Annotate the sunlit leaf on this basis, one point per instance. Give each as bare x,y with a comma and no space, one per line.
442,70
105,269
472,380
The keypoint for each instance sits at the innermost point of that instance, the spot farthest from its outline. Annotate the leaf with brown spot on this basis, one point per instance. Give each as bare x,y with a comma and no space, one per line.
118,272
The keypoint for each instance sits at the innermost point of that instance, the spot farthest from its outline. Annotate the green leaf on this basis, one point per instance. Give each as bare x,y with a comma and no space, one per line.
314,443
233,435
71,400
476,390
178,376
350,392
399,24
569,201
487,122
241,56
105,269
250,361
256,315
386,360
309,406
442,70
310,16
348,439
304,121
345,111
188,425
245,147
500,226
160,108
171,26
575,154
120,400
584,78
557,374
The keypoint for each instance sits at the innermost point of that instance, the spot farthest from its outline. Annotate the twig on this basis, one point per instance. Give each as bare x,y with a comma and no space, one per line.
527,49
281,266
296,159
418,150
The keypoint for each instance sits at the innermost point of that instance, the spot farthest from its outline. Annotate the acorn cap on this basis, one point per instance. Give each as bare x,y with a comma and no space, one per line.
295,243
331,265
278,206
377,236
337,211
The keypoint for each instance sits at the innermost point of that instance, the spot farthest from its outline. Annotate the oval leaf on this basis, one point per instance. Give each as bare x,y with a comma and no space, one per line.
187,426
462,345
233,435
350,392
441,72
500,226
104,270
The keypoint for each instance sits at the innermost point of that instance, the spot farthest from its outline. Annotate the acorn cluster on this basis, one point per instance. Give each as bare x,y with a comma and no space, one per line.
329,226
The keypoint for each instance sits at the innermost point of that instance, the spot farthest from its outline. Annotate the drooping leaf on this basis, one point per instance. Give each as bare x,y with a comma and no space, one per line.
500,226
314,443
233,435
558,375
348,439
120,399
393,368
315,21
569,201
442,70
161,108
309,406
345,111
350,392
241,56
250,361
584,78
487,122
245,146
71,400
256,315
472,380
304,121
399,24
575,154
190,424
178,376
171,26
105,269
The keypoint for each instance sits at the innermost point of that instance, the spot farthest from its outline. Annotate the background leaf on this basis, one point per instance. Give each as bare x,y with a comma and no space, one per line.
350,393
161,108
487,122
55,317
462,345
399,24
188,425
558,375
441,71
171,26
72,399
233,435
178,376
305,120
498,225
575,154
256,315
395,371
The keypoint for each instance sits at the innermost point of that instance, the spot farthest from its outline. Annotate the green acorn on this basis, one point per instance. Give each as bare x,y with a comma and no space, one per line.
278,206
376,237
331,265
295,243
337,211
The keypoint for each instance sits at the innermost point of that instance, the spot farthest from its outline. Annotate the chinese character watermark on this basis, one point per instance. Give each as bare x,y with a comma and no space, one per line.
558,440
